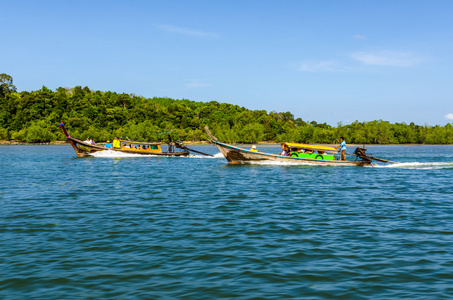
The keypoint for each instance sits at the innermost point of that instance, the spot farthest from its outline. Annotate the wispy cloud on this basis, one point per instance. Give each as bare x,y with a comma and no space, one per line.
449,116
359,37
387,58
187,31
321,66
195,83
382,58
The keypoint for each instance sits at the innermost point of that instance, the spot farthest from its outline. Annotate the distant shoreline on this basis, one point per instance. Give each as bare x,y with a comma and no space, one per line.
16,142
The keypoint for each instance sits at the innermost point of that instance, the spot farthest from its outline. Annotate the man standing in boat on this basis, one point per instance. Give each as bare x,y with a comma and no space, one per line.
342,147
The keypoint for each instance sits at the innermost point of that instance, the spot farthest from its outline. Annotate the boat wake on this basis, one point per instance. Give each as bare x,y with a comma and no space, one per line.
420,165
217,155
116,154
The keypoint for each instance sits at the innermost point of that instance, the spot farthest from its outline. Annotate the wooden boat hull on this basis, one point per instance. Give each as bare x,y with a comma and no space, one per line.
236,155
83,149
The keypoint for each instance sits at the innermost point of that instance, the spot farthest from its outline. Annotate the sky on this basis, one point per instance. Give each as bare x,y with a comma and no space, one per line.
324,61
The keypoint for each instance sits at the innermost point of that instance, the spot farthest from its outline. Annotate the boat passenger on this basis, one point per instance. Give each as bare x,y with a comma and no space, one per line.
321,152
254,149
116,143
108,145
92,142
285,151
88,140
309,151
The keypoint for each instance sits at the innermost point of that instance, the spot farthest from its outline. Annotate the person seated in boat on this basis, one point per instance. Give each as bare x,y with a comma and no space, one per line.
254,149
92,142
88,141
285,150
116,143
108,145
321,152
309,151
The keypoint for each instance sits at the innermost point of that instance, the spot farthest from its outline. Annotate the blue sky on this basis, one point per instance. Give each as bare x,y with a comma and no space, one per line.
324,61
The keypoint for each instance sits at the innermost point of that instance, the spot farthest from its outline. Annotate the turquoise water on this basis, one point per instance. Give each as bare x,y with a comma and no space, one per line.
196,228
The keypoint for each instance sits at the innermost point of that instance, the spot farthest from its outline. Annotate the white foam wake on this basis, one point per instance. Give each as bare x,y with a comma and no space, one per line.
117,154
219,155
420,165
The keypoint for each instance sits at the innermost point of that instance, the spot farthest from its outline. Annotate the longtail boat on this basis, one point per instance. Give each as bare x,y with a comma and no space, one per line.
83,149
295,153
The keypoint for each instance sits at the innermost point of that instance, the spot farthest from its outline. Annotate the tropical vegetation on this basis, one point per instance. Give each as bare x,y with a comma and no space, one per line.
35,117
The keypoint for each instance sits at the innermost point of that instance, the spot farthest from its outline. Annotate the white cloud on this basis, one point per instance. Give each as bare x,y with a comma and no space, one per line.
387,58
187,31
195,83
383,58
359,37
449,116
321,66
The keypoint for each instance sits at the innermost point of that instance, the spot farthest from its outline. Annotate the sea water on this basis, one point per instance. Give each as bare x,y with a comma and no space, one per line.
133,227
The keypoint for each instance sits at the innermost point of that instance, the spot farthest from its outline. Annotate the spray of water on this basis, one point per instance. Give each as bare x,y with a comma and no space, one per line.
117,154
404,165
419,165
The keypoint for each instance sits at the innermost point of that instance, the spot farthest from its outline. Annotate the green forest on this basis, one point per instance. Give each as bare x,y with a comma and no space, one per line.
34,117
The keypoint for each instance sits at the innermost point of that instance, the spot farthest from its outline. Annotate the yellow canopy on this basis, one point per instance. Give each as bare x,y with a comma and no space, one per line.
306,146
139,143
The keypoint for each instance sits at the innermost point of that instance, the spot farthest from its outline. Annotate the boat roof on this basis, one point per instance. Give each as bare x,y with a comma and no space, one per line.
307,146
139,143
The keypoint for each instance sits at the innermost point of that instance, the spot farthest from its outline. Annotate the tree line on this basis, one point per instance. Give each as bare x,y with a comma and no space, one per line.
35,116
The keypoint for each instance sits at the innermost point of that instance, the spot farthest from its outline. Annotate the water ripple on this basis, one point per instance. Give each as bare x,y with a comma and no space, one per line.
197,228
